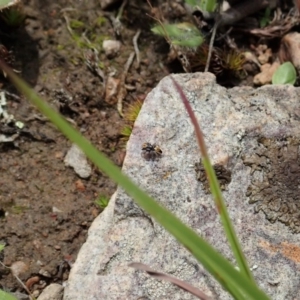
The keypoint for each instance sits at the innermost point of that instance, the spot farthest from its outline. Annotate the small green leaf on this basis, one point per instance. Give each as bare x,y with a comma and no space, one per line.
204,5
193,42
171,30
6,296
182,34
192,3
2,246
285,74
208,5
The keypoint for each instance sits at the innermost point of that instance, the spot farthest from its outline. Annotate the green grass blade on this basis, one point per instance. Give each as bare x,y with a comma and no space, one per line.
215,189
6,296
232,280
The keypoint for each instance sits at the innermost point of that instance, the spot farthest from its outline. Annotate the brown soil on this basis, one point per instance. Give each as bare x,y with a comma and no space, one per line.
45,208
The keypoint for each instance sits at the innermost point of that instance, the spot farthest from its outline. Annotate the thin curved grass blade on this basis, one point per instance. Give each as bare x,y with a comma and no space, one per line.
180,283
215,188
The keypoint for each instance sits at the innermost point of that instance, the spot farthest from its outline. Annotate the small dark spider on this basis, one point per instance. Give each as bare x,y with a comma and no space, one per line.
151,152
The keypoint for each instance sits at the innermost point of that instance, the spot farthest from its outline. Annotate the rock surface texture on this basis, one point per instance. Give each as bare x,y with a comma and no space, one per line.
253,138
53,291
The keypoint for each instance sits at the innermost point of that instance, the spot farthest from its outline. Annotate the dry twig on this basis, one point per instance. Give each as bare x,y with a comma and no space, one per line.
278,27
180,283
136,48
115,21
210,49
122,91
92,61
20,281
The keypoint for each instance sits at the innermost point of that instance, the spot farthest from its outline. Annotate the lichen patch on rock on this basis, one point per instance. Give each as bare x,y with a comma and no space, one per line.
223,175
275,180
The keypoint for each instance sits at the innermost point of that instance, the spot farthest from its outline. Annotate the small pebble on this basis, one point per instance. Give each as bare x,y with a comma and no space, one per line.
37,244
45,273
52,291
56,210
76,159
111,48
35,294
